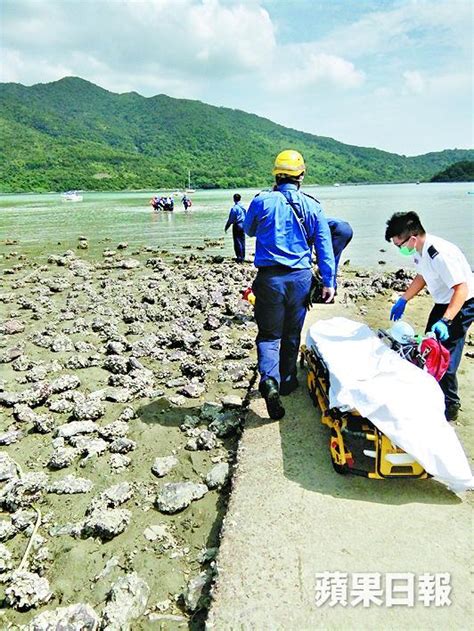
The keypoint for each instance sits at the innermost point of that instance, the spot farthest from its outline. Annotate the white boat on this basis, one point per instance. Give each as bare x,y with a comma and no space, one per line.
71,196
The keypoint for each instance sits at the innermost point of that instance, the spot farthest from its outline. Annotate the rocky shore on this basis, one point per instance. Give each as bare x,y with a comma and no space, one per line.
124,387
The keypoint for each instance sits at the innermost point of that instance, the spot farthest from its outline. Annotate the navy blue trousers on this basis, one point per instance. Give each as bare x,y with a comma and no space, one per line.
341,235
280,310
455,344
239,241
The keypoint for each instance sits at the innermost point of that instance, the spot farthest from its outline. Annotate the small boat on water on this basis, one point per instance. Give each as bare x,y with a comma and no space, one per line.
71,196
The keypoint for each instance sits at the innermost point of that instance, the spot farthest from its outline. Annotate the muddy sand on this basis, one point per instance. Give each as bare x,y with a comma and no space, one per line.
123,390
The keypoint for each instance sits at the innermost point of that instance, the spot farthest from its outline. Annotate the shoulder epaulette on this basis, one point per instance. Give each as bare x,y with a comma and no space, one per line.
432,252
265,190
313,198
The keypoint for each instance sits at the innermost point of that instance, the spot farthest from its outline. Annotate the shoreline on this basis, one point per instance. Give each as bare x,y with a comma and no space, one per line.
206,190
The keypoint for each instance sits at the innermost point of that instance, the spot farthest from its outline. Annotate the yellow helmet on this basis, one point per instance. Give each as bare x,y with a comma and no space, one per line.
289,162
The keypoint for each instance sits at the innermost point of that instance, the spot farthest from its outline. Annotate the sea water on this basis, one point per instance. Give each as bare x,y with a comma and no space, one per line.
45,223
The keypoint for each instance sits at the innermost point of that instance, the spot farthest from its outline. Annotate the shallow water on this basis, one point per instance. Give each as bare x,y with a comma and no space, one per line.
39,222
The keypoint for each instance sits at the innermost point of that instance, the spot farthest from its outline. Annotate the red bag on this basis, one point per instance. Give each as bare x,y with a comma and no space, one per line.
436,357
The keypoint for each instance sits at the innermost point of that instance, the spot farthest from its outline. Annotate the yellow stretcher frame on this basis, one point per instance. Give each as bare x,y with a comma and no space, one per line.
387,457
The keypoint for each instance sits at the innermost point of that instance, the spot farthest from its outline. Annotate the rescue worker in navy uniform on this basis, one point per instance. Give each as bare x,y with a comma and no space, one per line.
341,235
444,270
287,223
236,220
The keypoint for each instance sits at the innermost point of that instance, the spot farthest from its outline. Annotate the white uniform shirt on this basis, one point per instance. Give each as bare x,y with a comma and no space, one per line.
443,265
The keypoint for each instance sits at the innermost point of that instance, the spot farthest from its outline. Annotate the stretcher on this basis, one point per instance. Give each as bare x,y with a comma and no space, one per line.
386,414
356,445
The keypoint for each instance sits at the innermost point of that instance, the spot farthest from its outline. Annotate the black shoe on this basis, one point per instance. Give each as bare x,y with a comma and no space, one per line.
269,391
288,387
452,411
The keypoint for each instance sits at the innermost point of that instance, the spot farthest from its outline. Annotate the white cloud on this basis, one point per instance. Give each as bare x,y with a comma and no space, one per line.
17,68
178,46
170,37
401,67
418,83
410,23
313,69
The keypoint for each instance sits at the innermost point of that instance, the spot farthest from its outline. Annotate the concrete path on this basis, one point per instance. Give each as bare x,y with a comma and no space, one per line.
292,517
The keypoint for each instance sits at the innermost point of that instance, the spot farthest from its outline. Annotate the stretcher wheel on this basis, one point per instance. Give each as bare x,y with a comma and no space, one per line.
342,469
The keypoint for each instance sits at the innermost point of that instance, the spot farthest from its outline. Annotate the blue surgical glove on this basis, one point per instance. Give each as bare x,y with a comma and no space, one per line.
398,309
440,329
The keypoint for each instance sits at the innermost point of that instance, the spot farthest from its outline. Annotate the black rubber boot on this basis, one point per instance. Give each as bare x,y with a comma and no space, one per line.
269,391
452,411
288,387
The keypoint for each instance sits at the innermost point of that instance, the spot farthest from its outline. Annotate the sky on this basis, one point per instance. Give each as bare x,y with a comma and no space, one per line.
391,74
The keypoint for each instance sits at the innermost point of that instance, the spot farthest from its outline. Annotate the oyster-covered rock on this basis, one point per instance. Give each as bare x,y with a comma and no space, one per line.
194,592
8,468
218,475
5,559
24,491
126,601
70,485
80,617
88,410
27,590
162,466
175,496
106,523
62,457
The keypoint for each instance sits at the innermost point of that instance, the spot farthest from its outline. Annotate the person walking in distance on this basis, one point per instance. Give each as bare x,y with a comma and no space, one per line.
236,220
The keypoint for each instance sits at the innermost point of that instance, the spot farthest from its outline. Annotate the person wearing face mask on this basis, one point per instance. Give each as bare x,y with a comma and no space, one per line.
444,270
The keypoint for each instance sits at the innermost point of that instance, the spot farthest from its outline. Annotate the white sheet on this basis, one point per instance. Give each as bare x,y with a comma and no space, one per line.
402,400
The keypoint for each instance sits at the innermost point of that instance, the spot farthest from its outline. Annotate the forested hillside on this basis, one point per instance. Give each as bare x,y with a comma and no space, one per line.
459,172
72,134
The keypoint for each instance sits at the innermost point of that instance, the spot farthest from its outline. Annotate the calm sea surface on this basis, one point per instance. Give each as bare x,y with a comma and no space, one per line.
44,223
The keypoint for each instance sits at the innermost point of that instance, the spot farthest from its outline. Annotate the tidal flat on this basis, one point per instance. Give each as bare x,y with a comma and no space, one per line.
124,386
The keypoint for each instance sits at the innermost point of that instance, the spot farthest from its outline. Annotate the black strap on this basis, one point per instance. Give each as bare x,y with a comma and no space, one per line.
300,217
310,196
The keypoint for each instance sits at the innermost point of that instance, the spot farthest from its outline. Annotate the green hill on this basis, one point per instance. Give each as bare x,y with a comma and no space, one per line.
459,172
72,134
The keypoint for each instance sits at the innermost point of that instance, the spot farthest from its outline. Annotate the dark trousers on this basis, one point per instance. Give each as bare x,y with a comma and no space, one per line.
455,344
279,311
341,235
239,241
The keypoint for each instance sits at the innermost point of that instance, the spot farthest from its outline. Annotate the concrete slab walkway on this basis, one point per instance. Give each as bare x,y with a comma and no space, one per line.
292,517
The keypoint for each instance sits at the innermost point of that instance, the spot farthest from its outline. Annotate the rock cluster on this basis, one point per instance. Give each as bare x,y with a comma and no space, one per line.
122,397
95,357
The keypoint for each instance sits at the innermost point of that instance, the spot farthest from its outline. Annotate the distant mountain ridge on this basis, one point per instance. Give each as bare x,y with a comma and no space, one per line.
72,134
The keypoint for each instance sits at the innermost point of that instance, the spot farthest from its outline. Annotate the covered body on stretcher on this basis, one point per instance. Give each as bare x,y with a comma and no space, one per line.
356,445
386,415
